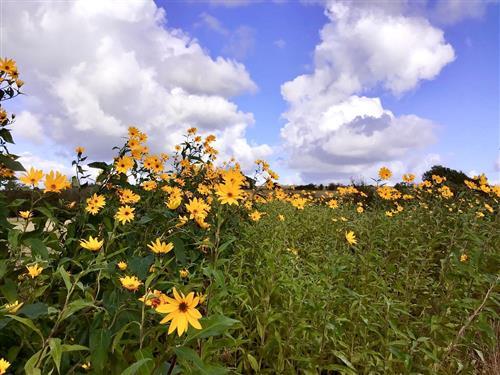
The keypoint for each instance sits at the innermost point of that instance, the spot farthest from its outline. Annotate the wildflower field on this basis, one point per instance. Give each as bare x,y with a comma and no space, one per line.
178,263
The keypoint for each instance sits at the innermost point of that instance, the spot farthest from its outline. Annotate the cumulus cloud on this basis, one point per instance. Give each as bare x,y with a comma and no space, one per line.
333,130
448,12
280,43
94,68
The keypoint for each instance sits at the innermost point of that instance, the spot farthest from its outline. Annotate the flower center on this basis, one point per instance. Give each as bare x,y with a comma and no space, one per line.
183,307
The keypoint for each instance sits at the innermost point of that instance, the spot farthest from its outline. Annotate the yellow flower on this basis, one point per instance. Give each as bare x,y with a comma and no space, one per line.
123,164
159,247
333,203
125,214
13,307
92,244
122,265
80,150
181,312
32,177
149,185
464,258
8,66
360,209
25,214
197,208
281,217
173,202
384,173
182,221
255,216
184,273
299,203
130,282
128,196
408,177
4,365
34,271
438,179
86,366
351,238
55,182
229,193
95,203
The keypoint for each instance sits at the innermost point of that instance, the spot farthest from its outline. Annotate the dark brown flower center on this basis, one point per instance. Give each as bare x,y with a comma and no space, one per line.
183,307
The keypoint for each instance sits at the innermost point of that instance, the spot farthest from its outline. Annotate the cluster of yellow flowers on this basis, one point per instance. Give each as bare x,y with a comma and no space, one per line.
54,181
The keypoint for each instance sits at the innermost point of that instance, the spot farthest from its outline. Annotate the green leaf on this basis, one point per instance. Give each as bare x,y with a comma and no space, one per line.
11,163
5,134
98,165
28,323
75,306
179,250
34,310
140,265
29,366
190,359
9,289
99,342
65,276
73,348
56,352
211,326
253,362
37,247
132,369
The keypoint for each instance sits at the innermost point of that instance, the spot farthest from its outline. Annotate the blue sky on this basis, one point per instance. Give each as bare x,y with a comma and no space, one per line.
463,100
326,91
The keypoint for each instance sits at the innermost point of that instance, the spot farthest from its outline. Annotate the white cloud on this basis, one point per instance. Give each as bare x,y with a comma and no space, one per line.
332,130
241,42
29,160
92,68
29,128
280,43
448,12
212,23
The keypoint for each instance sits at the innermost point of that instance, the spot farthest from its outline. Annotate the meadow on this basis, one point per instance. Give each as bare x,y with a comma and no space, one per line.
178,263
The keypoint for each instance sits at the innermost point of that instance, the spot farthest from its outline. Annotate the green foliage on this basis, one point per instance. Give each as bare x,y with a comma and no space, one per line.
309,303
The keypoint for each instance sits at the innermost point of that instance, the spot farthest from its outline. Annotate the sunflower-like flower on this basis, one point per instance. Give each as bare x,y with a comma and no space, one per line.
32,177
92,244
4,365
25,214
351,238
123,164
125,214
12,308
130,282
55,182
95,203
34,271
159,247
384,173
181,312
229,193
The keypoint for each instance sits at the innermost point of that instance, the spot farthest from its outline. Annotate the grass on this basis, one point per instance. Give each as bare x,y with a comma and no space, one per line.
398,302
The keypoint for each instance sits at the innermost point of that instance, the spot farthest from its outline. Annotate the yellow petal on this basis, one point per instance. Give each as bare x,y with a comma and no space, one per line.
167,308
182,324
177,296
194,313
194,322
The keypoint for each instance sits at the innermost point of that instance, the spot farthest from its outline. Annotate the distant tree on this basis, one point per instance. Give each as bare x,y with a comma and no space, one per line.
453,176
